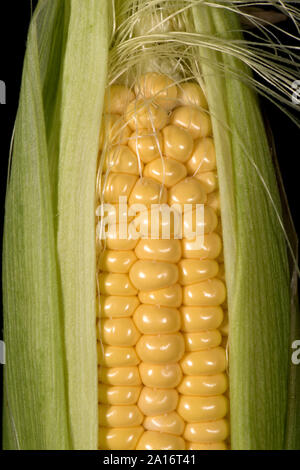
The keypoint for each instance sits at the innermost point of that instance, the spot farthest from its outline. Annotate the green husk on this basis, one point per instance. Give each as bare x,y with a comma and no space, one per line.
257,273
83,86
49,249
49,253
35,398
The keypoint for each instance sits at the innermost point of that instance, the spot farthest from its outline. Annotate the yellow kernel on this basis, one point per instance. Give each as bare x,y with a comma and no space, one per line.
193,119
207,293
192,270
213,201
212,431
177,143
146,145
154,319
117,97
170,423
115,356
118,395
119,438
158,87
114,130
195,223
160,349
160,375
203,157
154,402
166,171
209,249
204,385
143,115
202,340
116,261
151,275
121,416
113,242
113,215
116,284
118,332
187,191
164,250
120,159
198,318
167,297
147,192
191,93
210,361
116,185
196,409
152,440
209,181
120,375
159,222
113,306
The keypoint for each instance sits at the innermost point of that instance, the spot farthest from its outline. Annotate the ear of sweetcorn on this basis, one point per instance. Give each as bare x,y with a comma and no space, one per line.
49,250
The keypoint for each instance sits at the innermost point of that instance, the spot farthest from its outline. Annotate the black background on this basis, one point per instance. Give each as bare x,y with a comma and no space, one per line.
15,17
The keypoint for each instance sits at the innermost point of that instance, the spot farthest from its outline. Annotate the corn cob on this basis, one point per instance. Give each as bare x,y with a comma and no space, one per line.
176,323
167,331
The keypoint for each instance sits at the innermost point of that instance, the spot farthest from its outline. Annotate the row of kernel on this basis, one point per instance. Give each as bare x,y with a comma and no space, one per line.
119,379
155,275
202,403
